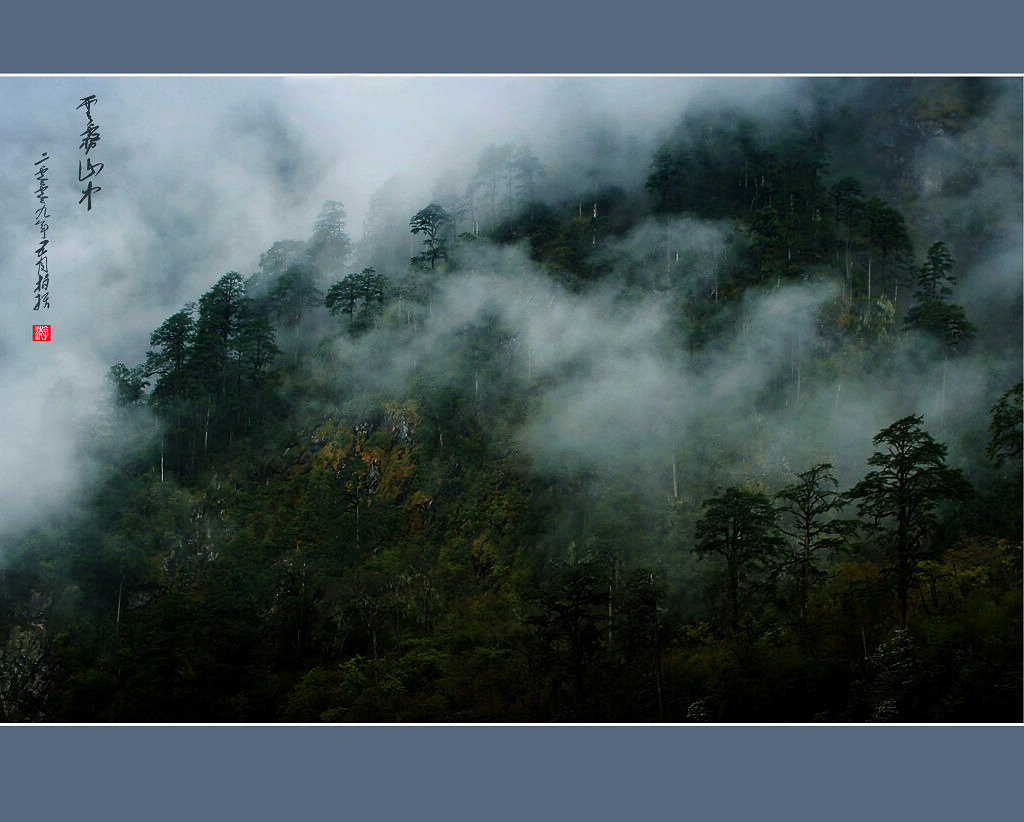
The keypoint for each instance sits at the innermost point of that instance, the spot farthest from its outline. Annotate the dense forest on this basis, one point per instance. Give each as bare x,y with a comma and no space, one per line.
737,440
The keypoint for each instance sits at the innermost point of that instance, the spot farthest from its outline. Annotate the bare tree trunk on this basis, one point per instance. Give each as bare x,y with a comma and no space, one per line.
302,609
869,285
657,656
903,604
942,397
610,592
117,625
675,482
849,273
668,250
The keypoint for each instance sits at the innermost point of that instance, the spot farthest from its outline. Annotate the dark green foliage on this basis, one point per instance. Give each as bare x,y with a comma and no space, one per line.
294,292
129,384
847,196
573,614
1005,428
641,632
526,170
740,526
808,509
889,251
255,348
899,498
361,296
363,534
723,165
496,178
330,247
944,321
173,341
282,255
887,232
433,222
931,312
213,373
935,281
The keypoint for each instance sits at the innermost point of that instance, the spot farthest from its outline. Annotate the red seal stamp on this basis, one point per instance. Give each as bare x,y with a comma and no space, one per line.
40,333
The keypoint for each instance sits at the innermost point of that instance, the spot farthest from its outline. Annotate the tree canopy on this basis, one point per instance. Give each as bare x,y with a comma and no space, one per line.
900,496
741,527
613,472
433,222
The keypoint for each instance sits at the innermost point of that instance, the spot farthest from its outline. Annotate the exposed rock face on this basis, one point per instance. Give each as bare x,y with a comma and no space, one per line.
24,675
401,421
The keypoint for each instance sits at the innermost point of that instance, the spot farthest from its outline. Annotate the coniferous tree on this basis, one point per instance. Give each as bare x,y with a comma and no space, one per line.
847,195
887,234
526,168
255,347
494,176
572,617
433,222
129,384
330,247
173,340
740,526
368,290
1005,443
900,496
808,512
932,312
294,292
220,311
282,255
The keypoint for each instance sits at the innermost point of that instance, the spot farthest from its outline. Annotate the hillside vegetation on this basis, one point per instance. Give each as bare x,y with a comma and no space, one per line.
737,442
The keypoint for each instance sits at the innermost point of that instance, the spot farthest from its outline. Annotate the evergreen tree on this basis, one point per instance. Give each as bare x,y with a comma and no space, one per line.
740,526
495,175
932,313
330,247
173,340
900,496
367,289
888,235
129,384
526,168
808,512
220,311
282,255
293,293
433,222
935,281
1005,444
847,195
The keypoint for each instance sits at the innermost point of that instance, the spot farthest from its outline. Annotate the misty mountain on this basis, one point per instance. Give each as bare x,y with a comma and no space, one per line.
660,401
